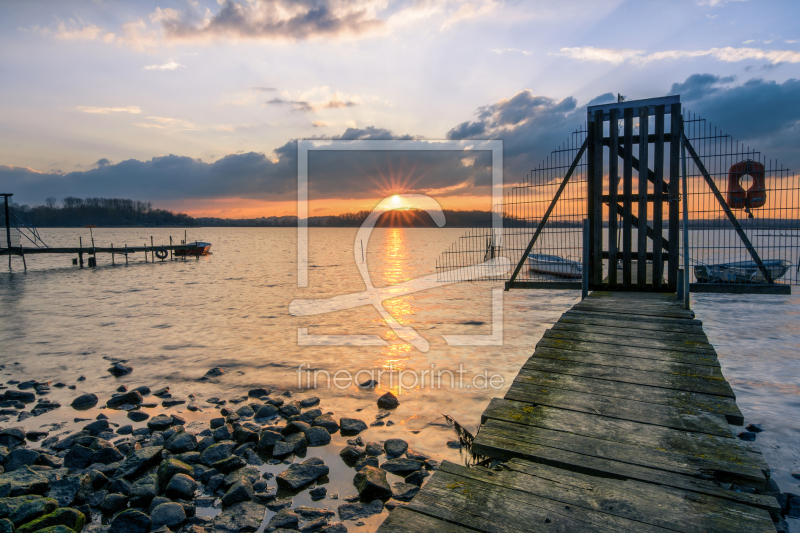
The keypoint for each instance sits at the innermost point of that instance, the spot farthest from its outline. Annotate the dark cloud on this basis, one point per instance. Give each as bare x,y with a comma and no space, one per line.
264,89
273,19
606,98
298,105
764,114
102,162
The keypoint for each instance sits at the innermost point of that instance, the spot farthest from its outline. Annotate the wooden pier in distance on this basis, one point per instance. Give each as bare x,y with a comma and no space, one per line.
620,421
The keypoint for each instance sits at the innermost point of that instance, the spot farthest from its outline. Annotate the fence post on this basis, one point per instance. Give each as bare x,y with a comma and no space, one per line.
679,292
585,266
685,187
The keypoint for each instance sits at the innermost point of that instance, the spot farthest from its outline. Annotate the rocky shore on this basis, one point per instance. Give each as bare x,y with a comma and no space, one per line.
237,471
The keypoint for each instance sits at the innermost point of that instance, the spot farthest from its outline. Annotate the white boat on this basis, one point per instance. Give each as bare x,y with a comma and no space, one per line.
740,271
554,265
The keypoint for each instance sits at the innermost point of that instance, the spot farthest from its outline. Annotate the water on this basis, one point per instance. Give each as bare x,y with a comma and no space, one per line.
175,320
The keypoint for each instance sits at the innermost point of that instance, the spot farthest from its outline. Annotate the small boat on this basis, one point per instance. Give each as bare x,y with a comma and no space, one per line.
201,248
740,271
555,266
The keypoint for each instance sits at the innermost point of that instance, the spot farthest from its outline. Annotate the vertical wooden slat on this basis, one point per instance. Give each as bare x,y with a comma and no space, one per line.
641,232
674,188
627,202
590,194
613,171
597,155
658,187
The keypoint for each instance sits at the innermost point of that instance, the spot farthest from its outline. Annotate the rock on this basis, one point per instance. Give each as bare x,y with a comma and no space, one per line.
754,428
317,436
84,401
6,526
70,519
392,503
430,464
371,483
96,427
78,457
24,481
375,448
369,384
213,373
130,521
416,478
170,467
318,493
160,422
244,516
224,432
138,416
240,491
294,443
129,398
358,510
747,436
388,401
401,466
404,491
268,439
139,461
245,411
143,491
64,490
19,396
266,411
181,487
107,456
289,410
792,505
19,458
168,514
162,393
229,464
308,402
351,426
257,393
11,437
295,427
181,443
32,510
454,444
395,447
284,518
334,527
172,402
299,475
366,461
113,503
120,369
326,421
351,454
242,435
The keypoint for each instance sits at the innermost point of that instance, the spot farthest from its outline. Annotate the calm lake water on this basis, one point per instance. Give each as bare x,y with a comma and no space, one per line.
174,320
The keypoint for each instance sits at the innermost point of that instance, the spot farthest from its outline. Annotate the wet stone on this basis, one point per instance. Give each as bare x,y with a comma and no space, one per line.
120,369
317,436
366,461
371,483
326,421
181,487
284,518
309,402
402,466
84,401
395,447
299,475
160,422
404,491
388,401
351,454
358,510
374,448
168,514
244,516
351,426
747,436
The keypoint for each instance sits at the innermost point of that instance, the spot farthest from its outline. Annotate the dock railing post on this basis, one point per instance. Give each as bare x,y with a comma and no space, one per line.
679,292
80,254
8,230
685,187
585,267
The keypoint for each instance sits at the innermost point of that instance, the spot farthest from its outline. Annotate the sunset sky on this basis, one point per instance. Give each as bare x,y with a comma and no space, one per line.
196,105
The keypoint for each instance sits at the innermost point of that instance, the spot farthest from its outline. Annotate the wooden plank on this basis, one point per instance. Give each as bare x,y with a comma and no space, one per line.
686,401
567,325
507,440
597,213
628,351
668,313
614,323
702,385
686,345
635,411
650,138
658,185
680,366
643,318
674,205
627,197
473,504
402,520
654,505
641,248
613,177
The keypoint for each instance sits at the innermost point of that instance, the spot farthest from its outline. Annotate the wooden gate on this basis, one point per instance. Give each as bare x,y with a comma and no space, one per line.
618,261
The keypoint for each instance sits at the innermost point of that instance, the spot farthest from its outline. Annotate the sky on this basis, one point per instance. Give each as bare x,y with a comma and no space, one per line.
197,105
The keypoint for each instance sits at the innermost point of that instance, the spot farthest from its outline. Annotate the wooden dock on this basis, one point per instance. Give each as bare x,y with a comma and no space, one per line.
620,421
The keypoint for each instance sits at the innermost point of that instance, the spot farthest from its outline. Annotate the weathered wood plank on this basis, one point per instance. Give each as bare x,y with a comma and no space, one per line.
506,440
613,186
681,367
641,247
614,323
628,351
632,318
654,505
569,325
472,503
686,345
703,385
645,413
402,520
627,198
658,185
597,213
685,401
587,305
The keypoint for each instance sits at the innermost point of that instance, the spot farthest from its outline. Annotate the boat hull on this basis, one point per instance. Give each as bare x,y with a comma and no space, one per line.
203,248
740,272
555,266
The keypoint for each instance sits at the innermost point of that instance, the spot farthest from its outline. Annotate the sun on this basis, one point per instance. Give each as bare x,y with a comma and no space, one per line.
396,200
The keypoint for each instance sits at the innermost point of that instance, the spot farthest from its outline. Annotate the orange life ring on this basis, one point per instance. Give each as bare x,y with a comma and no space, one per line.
756,195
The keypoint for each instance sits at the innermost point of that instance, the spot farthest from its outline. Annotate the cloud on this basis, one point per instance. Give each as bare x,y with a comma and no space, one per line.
102,162
641,57
170,65
320,124
499,51
716,3
320,98
167,123
298,105
106,110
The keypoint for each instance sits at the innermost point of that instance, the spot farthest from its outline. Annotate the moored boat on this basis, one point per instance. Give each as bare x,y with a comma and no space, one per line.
554,265
740,271
201,248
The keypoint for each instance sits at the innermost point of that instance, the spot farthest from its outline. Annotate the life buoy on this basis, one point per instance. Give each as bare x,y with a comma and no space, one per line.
756,195
161,254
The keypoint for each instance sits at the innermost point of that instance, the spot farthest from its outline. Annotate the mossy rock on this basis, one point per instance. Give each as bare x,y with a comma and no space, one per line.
56,529
72,519
32,510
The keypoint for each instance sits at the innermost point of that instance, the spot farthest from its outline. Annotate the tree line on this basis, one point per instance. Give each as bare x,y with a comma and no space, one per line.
77,212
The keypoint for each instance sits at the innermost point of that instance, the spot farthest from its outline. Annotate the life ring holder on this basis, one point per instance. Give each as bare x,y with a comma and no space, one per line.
161,254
